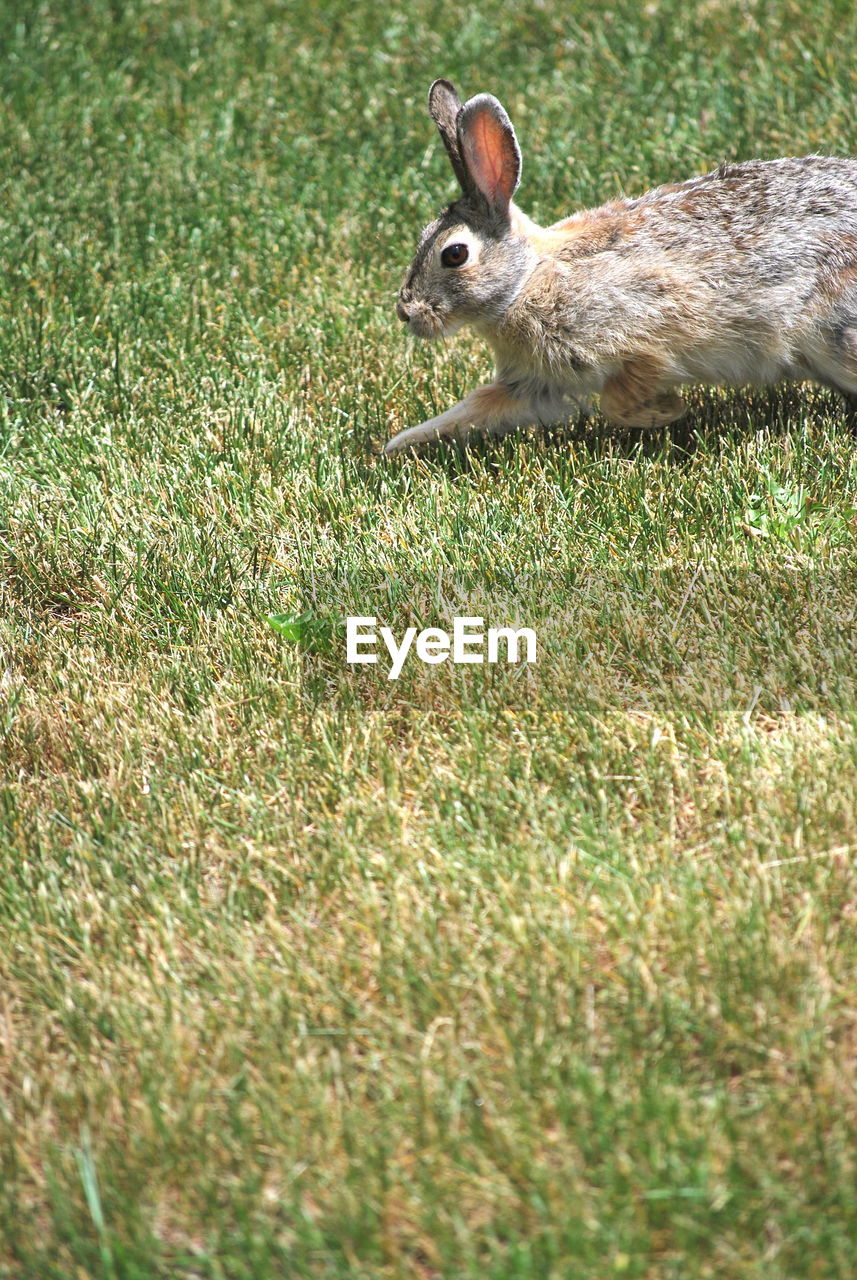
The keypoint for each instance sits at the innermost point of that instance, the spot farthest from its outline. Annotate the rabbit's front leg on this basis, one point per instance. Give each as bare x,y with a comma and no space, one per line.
493,409
636,396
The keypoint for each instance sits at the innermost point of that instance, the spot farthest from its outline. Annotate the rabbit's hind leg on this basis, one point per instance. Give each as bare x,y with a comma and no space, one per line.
842,357
833,362
636,396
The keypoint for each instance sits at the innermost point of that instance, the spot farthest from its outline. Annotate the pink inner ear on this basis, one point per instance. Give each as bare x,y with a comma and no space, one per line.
491,159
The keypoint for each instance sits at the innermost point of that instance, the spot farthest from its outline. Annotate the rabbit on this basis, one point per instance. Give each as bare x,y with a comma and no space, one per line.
745,275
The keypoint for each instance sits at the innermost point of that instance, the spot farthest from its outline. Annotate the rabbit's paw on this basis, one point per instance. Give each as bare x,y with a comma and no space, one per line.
632,397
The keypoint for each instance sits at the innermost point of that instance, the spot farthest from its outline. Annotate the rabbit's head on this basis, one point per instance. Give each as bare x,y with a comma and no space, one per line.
470,263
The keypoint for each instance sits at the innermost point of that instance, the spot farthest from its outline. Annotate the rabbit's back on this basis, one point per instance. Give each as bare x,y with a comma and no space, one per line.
796,209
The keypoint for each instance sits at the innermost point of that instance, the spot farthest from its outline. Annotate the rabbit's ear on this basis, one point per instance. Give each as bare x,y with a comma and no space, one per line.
489,150
444,106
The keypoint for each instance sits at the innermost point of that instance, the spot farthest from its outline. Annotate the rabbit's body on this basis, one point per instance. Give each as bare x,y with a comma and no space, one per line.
745,275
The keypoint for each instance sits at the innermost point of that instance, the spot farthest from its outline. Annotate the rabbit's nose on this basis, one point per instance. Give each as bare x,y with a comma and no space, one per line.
402,310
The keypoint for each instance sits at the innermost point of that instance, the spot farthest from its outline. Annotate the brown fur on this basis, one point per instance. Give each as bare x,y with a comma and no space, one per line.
633,397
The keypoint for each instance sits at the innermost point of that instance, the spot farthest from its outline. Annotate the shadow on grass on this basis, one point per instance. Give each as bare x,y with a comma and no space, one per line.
712,419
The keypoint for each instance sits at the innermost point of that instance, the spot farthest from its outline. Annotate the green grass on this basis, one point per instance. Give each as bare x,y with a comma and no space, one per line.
482,973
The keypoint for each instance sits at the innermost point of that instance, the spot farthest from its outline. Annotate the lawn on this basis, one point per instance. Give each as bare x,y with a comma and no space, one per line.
521,972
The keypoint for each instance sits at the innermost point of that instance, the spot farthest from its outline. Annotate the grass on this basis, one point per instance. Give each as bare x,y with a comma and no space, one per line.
483,972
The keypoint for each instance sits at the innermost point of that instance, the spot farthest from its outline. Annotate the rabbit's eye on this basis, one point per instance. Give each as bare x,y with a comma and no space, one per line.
454,255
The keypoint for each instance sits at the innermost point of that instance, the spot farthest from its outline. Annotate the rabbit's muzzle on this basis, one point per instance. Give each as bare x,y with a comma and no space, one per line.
421,318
